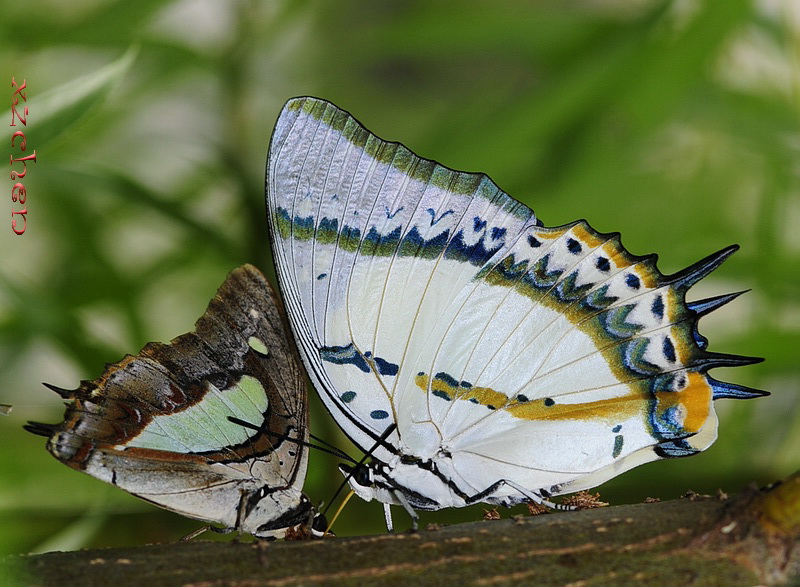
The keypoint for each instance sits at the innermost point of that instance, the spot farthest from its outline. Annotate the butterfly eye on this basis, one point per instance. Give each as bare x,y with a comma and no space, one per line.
363,476
319,525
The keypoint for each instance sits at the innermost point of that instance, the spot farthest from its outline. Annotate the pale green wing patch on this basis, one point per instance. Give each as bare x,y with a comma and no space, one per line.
158,424
205,427
258,345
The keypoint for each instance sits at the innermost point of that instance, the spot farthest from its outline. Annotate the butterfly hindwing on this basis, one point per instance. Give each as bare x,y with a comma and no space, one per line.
157,424
501,349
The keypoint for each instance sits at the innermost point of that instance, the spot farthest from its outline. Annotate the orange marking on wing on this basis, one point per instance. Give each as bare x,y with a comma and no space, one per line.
548,233
616,409
485,396
584,234
694,399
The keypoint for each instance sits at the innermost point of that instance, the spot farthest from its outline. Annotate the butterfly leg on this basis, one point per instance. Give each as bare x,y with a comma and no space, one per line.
245,500
531,495
195,533
406,506
387,514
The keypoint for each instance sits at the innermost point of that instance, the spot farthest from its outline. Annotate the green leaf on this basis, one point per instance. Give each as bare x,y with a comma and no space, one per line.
58,110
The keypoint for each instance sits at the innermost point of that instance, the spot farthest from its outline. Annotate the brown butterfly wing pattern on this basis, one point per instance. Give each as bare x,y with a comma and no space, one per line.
158,424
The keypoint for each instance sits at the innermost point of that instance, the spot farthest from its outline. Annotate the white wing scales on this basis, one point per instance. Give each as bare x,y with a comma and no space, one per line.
374,258
501,349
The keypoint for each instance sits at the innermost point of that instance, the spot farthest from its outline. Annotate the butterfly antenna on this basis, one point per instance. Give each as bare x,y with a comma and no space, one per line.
249,439
328,448
389,429
341,454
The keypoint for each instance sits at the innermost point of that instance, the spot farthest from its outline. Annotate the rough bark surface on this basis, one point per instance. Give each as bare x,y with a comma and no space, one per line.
751,539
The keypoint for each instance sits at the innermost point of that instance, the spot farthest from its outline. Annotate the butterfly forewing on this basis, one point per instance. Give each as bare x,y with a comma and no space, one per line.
364,271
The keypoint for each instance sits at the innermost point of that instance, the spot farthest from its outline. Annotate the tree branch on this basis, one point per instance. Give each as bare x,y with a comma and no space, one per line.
748,540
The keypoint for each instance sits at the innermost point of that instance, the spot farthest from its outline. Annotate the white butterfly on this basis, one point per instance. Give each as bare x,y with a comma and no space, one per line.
158,424
485,357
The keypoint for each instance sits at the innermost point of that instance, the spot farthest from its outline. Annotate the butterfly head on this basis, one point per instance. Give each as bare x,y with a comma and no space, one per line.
362,479
319,526
376,480
395,484
269,514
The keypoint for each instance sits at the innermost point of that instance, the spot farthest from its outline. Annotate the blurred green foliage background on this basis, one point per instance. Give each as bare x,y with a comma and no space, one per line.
675,123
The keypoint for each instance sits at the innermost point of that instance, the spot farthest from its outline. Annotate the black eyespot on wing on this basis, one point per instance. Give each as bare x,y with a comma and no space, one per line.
669,350
574,246
657,307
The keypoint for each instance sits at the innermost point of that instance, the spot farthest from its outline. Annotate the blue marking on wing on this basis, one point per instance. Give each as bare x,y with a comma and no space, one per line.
675,448
574,246
597,299
371,240
476,254
658,307
329,225
282,213
351,233
304,223
669,350
618,440
567,291
447,379
498,233
390,214
344,355
434,219
376,244
632,281
614,322
413,245
349,355
540,276
385,367
632,354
